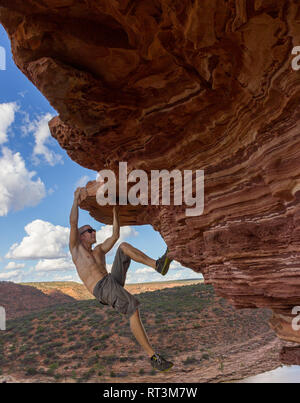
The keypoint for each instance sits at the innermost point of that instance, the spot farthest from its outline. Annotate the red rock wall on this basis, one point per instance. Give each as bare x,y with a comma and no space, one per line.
165,84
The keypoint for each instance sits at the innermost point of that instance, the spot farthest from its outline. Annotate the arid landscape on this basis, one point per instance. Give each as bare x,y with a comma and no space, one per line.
83,341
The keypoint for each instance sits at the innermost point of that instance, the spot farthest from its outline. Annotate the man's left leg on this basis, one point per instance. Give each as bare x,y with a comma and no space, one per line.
139,332
119,270
157,361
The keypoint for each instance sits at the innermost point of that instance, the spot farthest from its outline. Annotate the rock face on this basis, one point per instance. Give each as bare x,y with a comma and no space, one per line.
199,85
290,355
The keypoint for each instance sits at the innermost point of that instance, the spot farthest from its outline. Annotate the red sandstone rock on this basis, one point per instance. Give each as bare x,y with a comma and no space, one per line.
166,84
290,355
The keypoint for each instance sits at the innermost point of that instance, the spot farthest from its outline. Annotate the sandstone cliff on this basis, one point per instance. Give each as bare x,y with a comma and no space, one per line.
165,84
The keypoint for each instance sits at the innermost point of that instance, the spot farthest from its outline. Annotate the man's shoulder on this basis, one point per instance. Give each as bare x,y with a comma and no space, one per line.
74,251
98,249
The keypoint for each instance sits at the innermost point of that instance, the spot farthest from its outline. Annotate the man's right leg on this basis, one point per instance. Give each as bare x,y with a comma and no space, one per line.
161,265
137,255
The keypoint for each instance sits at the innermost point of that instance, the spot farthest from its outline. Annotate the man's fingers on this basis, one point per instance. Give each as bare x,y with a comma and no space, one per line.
78,193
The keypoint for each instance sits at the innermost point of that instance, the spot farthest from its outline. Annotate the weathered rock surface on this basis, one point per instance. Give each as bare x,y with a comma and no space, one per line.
187,84
290,355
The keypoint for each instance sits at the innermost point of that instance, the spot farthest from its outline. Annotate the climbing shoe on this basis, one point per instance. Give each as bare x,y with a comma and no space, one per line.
163,264
159,363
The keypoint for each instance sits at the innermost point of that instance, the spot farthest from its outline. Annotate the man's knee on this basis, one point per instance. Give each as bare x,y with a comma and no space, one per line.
124,246
134,315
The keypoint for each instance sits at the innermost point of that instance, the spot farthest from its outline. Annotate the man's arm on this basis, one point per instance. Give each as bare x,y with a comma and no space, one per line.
109,242
73,241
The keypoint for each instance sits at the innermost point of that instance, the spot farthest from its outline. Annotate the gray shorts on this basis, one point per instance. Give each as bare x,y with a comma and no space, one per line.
110,289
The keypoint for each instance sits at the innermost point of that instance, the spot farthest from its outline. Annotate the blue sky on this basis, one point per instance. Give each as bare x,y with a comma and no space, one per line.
37,184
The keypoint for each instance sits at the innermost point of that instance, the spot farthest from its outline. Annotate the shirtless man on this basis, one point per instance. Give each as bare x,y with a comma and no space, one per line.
108,288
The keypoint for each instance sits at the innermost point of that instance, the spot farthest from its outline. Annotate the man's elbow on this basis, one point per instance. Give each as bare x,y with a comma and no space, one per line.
116,235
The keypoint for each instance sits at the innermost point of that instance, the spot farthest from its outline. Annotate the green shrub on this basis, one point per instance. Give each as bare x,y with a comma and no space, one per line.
49,372
152,372
31,371
88,374
54,366
29,359
92,361
190,360
109,359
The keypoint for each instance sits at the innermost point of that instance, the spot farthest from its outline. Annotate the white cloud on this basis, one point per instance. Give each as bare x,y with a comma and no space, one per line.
107,230
145,276
17,188
22,93
44,241
60,264
82,181
7,117
144,270
52,190
176,265
14,265
27,126
60,277
42,136
10,275
148,274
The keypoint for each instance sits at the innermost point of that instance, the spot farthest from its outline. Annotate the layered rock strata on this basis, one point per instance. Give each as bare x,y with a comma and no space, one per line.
188,85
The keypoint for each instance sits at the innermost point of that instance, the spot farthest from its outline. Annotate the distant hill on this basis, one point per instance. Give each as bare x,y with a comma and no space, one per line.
79,292
70,288
19,300
23,298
